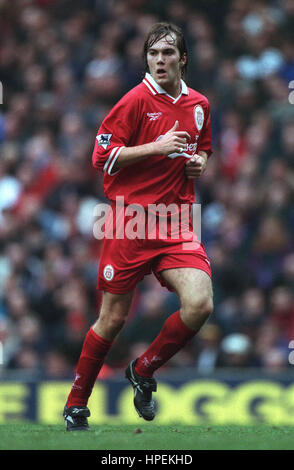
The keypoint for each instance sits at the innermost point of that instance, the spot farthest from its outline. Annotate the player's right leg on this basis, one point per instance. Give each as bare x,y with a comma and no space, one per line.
98,341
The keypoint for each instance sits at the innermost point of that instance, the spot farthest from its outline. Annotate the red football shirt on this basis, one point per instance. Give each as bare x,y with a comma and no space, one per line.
143,115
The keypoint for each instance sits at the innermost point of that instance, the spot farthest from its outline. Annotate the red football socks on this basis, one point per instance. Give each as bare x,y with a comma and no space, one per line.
173,337
90,362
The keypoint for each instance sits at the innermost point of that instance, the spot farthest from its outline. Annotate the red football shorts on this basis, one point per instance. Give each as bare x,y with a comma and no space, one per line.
125,260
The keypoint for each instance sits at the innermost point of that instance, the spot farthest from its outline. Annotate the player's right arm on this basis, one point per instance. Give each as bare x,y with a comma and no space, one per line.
171,142
112,149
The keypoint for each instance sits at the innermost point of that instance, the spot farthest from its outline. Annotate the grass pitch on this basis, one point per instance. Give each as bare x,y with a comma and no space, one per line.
147,437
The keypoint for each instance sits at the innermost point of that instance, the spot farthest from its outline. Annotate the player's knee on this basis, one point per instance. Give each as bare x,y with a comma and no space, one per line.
117,320
199,307
110,322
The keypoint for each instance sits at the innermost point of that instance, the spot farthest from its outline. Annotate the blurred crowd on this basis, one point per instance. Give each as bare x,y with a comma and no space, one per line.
63,65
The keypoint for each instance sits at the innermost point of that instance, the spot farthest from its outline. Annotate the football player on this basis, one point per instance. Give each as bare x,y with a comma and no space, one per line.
153,144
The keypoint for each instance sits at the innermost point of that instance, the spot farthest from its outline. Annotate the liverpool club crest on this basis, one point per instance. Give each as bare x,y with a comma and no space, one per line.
199,117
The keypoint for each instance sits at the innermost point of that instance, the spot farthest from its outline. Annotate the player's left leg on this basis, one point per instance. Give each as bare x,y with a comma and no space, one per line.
194,289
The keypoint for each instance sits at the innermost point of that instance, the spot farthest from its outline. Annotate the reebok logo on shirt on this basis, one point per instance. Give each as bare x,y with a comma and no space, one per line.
154,116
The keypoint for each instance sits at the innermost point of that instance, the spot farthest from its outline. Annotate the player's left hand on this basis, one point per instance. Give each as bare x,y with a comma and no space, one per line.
195,166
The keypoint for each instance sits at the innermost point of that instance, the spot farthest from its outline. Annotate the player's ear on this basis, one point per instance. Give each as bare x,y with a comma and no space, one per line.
183,62
183,59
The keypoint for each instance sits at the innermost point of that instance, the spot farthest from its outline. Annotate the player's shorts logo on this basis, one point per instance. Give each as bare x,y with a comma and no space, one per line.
108,272
199,117
104,140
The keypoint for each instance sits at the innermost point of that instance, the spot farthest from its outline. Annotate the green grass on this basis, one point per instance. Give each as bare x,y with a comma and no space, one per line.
146,437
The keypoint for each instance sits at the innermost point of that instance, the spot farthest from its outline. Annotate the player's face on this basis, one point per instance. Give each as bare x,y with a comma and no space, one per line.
165,63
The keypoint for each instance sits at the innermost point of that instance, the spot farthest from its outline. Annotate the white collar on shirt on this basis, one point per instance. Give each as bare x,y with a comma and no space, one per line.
155,88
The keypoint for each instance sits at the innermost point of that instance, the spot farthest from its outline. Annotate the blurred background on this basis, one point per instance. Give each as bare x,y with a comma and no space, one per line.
63,65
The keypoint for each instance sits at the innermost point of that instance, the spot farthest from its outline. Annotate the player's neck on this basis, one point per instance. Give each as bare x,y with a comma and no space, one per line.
173,89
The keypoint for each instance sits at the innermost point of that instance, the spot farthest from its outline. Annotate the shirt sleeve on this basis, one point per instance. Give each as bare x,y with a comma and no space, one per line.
205,143
114,134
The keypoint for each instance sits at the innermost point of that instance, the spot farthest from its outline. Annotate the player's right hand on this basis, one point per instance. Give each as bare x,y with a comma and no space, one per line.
173,140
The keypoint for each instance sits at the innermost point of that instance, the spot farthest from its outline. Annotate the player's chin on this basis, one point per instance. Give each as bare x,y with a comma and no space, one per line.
162,79
165,77
190,177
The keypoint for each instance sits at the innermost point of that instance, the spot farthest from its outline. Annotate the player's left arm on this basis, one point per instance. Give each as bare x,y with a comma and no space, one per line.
196,165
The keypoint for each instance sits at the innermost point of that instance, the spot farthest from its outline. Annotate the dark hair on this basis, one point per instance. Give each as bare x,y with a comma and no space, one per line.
160,31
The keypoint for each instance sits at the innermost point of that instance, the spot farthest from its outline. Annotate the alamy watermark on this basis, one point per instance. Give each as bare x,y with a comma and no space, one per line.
156,221
1,354
291,94
291,354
